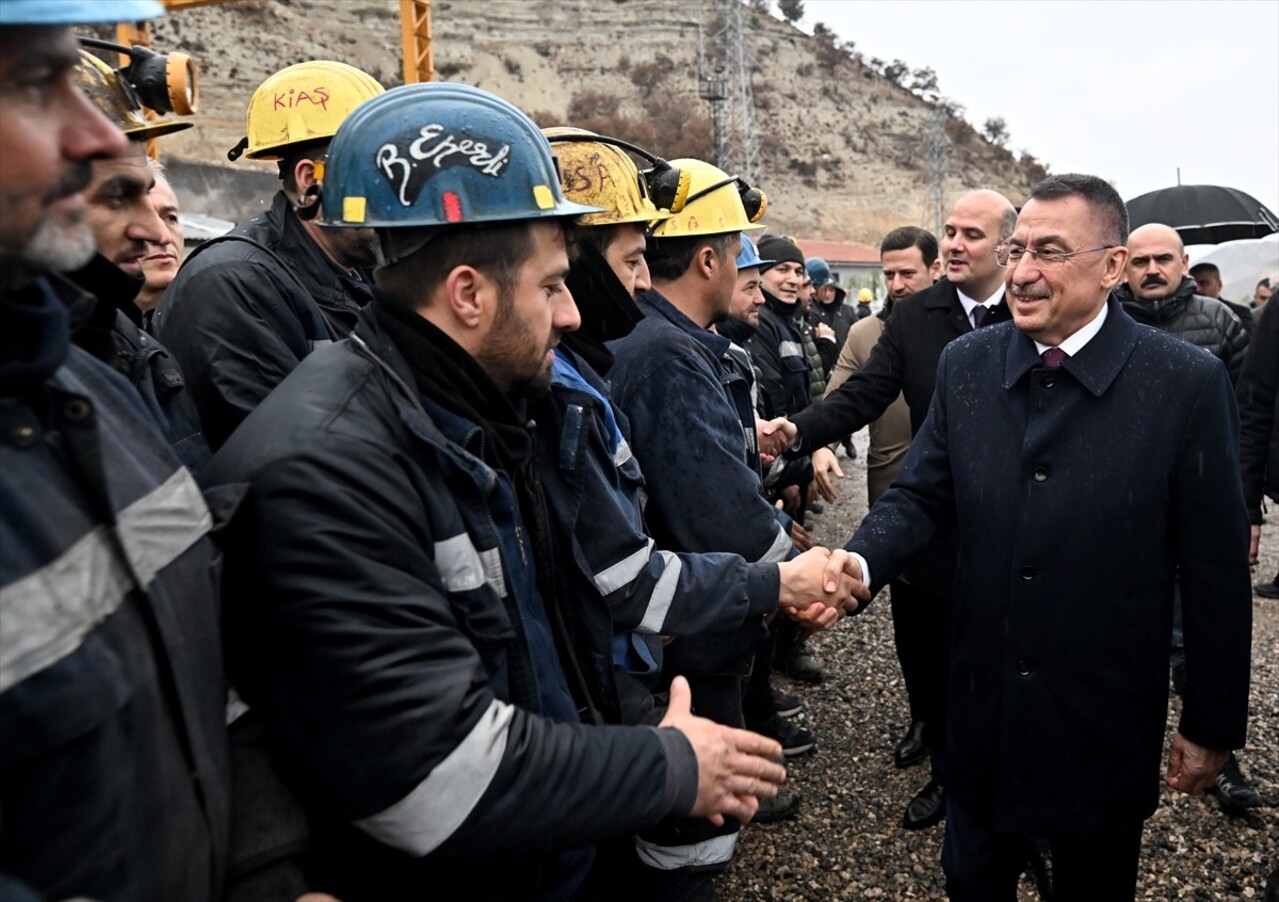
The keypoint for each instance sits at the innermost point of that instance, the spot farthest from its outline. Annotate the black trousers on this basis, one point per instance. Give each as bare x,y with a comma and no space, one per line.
921,632
984,866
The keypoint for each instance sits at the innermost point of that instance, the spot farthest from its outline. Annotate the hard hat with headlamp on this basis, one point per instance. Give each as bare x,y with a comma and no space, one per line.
717,203
112,93
597,170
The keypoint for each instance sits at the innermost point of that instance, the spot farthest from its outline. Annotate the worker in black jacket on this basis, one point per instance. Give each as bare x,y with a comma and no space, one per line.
246,308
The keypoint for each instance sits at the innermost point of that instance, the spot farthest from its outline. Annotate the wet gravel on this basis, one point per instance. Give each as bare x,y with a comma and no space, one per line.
847,842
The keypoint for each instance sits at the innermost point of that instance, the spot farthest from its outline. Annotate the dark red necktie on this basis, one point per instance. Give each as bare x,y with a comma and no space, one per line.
1054,357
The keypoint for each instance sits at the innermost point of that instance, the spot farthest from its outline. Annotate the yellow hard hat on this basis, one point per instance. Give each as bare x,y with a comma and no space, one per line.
599,173
717,203
115,97
301,103
864,296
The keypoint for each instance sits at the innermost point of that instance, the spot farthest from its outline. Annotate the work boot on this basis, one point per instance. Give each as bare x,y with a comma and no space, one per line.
1233,790
780,807
796,663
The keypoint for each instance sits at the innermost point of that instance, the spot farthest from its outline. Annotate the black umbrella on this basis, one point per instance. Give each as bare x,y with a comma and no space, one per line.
1204,214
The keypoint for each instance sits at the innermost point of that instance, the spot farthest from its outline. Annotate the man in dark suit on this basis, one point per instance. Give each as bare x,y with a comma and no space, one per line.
1079,489
904,361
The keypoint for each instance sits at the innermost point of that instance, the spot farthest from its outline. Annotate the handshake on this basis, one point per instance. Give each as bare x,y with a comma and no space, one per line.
775,437
820,586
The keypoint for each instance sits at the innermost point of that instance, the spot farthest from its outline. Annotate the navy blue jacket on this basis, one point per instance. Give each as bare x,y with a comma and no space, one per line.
597,489
113,764
1080,495
1259,413
385,623
688,414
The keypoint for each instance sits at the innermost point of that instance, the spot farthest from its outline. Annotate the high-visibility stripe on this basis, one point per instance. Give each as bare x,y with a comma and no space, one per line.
622,454
659,603
624,571
46,615
464,569
780,548
717,850
790,349
436,807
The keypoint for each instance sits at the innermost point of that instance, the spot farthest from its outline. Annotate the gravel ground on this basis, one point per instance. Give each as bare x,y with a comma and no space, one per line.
847,842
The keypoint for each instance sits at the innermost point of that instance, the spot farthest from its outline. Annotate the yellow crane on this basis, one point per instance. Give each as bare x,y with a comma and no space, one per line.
415,34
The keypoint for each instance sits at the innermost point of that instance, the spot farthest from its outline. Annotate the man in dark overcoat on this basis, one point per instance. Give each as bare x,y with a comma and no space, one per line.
1078,489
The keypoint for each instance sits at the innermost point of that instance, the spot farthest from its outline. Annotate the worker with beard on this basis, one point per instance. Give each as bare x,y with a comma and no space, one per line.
125,229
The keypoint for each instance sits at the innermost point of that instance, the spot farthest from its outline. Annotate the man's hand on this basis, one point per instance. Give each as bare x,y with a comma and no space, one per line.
824,464
1254,544
799,535
831,578
823,331
776,436
1192,768
735,768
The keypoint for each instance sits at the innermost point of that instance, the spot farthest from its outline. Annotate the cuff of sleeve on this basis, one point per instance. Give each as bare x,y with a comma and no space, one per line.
763,587
681,771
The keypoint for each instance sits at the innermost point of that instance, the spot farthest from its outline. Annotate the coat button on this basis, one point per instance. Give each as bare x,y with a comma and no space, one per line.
1025,666
1028,572
1049,381
1041,474
23,437
77,410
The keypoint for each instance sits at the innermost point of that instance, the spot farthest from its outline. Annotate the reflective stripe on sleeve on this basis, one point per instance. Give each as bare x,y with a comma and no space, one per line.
421,821
790,349
46,615
464,569
622,454
624,571
780,548
717,850
659,603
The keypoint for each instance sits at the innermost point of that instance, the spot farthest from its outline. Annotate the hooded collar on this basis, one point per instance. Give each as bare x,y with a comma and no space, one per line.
1159,310
1097,363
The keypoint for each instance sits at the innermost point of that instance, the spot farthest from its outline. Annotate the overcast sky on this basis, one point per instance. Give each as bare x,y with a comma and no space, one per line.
1125,89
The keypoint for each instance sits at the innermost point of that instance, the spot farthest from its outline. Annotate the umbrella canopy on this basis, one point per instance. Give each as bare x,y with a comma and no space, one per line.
1204,214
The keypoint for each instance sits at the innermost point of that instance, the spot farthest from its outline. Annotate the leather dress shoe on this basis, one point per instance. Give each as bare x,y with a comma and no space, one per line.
912,749
928,807
1266,590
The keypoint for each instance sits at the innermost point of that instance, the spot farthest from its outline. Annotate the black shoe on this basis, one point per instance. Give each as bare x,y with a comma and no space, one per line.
798,664
849,449
912,749
786,705
1233,790
795,739
928,807
1272,887
1040,863
1266,590
816,507
780,807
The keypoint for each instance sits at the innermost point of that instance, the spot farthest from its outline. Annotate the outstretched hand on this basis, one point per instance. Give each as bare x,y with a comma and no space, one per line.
826,464
776,436
735,768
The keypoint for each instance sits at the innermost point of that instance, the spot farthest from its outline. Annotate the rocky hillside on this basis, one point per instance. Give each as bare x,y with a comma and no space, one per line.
842,145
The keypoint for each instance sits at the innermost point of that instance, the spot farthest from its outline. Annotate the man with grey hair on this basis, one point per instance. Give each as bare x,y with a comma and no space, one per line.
1079,503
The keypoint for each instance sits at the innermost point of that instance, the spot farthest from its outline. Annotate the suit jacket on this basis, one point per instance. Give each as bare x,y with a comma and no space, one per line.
890,434
1078,494
904,362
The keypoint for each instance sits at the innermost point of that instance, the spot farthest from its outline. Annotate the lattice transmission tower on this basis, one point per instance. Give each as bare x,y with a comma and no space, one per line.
724,68
937,147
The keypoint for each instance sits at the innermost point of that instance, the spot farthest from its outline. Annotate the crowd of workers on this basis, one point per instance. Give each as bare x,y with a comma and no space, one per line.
439,529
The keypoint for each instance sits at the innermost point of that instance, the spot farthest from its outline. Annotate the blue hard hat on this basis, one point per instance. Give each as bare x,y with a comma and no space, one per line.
439,154
750,256
819,271
77,12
